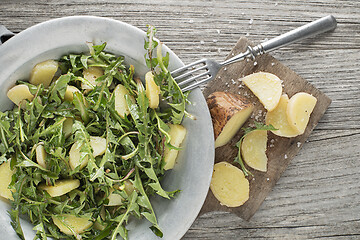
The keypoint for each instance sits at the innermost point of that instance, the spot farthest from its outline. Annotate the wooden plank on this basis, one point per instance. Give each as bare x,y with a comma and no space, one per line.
280,150
318,195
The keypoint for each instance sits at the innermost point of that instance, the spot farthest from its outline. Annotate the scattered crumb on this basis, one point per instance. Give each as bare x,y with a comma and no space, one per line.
202,42
253,179
276,4
272,140
251,21
191,21
215,40
272,64
285,156
218,31
247,34
247,60
232,54
267,179
255,63
298,144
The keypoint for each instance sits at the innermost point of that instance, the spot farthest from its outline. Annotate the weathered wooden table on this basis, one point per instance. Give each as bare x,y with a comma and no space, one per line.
318,196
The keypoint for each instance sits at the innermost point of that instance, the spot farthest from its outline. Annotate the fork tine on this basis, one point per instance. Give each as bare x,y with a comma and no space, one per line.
193,78
196,84
188,73
179,70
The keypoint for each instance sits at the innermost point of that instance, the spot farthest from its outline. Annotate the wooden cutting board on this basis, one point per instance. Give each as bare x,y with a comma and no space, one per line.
280,150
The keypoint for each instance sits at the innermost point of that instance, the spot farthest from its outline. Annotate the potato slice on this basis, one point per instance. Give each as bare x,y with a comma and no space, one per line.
61,187
66,221
5,179
19,93
41,155
44,73
278,118
152,90
74,156
253,150
228,113
91,74
229,185
177,134
116,199
298,110
121,105
98,144
69,93
67,127
266,87
129,187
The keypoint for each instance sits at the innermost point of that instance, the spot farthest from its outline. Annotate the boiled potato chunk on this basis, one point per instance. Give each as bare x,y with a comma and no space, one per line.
91,74
266,87
298,111
129,187
69,93
41,155
67,127
43,73
152,90
66,221
278,118
61,187
5,179
253,150
177,134
228,113
75,157
98,144
229,185
114,200
121,105
19,93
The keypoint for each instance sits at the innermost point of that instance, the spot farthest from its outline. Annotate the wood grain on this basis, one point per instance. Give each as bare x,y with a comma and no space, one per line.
318,194
280,150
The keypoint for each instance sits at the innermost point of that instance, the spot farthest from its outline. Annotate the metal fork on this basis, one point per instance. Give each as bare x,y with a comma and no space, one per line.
206,69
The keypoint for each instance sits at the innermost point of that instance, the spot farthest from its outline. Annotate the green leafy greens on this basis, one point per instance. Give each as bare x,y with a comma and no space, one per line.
134,146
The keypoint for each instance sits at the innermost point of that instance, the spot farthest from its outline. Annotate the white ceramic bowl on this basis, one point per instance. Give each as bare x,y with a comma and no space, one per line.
192,173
